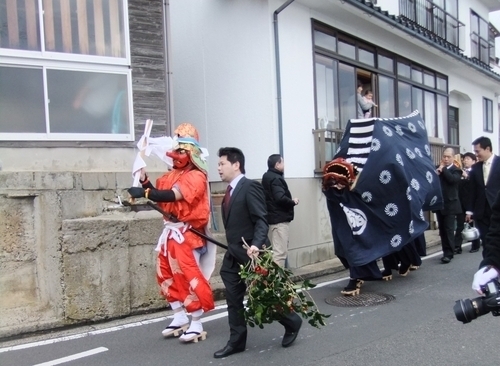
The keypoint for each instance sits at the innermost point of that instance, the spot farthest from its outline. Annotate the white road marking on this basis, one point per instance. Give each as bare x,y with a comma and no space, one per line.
156,320
76,356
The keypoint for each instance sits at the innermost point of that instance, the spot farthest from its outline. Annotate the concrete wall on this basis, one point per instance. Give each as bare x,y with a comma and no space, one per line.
68,256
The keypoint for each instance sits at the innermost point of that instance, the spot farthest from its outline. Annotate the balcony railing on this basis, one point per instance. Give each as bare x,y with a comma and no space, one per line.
428,16
326,143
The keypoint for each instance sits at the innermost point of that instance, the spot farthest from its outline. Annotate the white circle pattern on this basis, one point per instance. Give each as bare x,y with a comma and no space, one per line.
387,131
385,177
396,241
427,149
399,130
412,127
421,124
375,145
408,193
399,159
367,196
410,153
421,214
428,176
391,209
418,152
411,229
415,185
433,200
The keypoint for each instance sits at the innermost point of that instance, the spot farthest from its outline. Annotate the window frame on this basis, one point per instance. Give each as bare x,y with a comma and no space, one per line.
476,46
45,60
487,115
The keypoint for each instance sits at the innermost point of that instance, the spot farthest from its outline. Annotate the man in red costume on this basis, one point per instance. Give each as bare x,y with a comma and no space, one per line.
183,192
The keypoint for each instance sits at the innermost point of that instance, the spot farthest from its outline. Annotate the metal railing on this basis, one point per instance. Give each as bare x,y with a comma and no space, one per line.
327,142
429,16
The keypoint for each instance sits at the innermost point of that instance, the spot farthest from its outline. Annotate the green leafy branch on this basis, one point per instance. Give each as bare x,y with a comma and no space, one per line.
272,294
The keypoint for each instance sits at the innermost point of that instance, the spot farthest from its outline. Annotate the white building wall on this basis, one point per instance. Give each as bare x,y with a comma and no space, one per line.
297,75
224,77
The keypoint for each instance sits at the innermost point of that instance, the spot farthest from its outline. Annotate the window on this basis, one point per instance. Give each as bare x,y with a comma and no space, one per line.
385,63
453,126
386,97
347,93
437,16
366,56
480,35
487,115
347,48
327,104
404,99
69,62
325,40
404,70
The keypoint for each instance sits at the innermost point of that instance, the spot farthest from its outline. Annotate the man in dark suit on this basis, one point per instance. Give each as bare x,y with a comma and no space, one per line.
489,268
449,177
468,160
244,216
485,185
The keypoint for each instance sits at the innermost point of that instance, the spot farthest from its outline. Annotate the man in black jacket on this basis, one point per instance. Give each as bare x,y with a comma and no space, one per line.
464,189
490,266
279,207
484,185
449,177
244,216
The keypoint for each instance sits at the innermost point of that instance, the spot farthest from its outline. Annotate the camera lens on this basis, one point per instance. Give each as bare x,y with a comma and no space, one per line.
464,311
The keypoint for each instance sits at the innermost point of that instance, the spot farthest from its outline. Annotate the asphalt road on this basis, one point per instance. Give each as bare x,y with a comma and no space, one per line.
417,327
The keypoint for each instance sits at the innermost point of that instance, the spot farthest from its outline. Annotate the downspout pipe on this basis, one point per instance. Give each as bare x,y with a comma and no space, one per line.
169,128
278,72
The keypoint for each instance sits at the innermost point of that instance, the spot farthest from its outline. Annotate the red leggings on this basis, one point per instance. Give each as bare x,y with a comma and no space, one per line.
180,278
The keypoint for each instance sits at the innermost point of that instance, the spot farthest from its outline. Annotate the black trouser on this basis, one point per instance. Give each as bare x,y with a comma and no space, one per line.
483,224
235,292
458,231
446,233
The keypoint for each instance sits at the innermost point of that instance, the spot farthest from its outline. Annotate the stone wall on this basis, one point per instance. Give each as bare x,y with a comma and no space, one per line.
69,256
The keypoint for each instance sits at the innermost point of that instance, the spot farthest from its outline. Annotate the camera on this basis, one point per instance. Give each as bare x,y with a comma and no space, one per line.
467,310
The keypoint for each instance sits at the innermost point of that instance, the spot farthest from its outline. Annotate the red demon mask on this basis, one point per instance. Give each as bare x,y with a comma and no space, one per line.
180,157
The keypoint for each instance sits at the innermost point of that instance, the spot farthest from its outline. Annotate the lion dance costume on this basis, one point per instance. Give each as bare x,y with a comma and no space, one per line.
377,187
183,192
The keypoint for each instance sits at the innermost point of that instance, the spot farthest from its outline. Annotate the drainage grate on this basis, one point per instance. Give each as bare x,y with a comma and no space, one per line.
363,299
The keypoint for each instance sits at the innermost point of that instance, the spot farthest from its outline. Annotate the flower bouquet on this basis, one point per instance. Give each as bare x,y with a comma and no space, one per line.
272,294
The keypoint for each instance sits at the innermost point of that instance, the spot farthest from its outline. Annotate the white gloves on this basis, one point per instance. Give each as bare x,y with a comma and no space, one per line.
482,277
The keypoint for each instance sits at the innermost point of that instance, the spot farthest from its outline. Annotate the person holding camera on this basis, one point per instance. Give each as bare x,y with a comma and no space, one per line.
489,268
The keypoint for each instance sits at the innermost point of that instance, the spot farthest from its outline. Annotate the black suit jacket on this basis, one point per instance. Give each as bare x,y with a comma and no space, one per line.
464,189
491,251
481,193
449,179
246,217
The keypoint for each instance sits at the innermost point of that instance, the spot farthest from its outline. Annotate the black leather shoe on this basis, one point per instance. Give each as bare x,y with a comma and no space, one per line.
458,251
228,350
445,260
290,336
474,250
